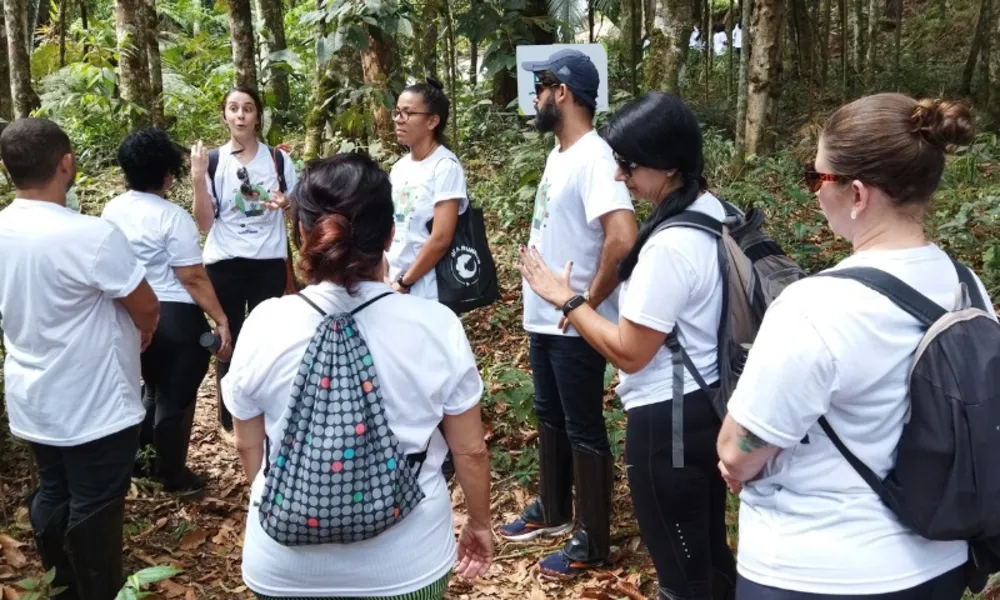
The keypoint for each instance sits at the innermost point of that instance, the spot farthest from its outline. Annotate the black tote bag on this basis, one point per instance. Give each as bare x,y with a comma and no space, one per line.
467,275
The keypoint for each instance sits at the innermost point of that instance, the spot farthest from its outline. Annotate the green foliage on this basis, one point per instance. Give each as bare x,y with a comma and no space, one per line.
40,588
137,582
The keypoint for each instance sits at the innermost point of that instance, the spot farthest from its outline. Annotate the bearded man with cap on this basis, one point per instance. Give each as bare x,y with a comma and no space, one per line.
583,218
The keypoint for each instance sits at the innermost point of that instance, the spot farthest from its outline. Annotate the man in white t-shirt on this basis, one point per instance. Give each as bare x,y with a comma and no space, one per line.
76,311
584,217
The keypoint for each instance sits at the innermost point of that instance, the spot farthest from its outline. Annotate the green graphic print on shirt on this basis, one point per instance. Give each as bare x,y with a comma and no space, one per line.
254,205
541,204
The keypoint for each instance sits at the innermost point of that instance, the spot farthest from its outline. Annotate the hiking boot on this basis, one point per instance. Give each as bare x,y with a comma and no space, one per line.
551,515
94,546
529,526
173,437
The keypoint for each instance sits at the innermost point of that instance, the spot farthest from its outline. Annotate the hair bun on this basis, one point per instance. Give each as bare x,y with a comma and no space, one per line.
943,123
434,82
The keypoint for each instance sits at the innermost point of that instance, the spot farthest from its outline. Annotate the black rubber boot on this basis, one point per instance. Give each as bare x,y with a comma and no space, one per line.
555,480
594,475
723,587
50,540
225,419
173,437
94,546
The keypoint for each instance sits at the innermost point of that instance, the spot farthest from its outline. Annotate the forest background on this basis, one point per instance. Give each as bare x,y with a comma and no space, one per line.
330,70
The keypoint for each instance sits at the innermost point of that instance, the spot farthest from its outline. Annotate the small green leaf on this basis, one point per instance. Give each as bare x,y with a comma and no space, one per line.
58,590
154,574
405,28
27,584
49,576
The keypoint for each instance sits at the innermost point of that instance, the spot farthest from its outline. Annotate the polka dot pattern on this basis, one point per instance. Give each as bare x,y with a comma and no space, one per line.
339,476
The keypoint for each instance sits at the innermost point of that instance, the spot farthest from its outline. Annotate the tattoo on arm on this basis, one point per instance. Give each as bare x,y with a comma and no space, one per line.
749,441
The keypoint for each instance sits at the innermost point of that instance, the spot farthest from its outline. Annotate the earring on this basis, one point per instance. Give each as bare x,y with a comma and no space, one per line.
854,213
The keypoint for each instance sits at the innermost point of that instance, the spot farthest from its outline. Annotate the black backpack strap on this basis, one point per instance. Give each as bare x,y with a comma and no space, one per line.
278,158
861,468
370,302
311,303
213,166
965,276
919,306
693,219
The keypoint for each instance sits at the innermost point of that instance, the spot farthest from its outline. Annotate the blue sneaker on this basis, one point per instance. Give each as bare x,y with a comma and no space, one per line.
527,528
559,566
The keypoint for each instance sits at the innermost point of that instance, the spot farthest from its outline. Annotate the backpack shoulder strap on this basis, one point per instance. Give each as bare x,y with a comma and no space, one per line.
861,468
213,166
919,306
370,302
693,219
965,276
311,303
278,158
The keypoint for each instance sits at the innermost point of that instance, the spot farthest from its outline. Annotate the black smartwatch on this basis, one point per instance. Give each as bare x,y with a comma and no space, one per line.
399,280
573,303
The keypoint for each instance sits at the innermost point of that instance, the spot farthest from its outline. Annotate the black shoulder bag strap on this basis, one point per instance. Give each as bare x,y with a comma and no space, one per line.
213,166
913,302
965,276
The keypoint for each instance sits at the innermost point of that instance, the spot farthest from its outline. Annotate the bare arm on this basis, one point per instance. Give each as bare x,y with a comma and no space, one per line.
742,454
204,204
464,434
195,280
144,308
619,237
250,444
437,245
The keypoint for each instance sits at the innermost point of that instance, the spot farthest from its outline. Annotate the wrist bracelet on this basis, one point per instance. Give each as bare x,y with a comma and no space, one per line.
399,281
573,303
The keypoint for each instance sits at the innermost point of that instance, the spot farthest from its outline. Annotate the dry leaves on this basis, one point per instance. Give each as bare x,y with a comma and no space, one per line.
171,589
193,539
9,593
12,552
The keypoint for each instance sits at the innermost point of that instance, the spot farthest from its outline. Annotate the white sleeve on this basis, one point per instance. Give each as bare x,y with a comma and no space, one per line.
449,181
659,288
600,192
212,192
789,379
465,386
116,271
246,368
183,241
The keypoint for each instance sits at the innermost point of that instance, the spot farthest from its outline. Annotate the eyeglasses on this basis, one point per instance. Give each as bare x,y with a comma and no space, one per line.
405,114
625,165
541,87
244,178
815,179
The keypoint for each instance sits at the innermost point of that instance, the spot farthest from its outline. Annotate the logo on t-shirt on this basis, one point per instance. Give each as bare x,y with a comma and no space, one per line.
251,205
464,264
541,204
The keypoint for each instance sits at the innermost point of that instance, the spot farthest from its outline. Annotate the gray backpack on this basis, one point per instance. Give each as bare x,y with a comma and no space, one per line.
339,476
754,271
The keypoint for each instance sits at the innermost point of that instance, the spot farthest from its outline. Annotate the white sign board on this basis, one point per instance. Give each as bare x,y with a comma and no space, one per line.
526,79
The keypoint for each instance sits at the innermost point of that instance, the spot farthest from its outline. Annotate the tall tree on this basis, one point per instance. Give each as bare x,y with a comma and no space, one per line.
858,37
984,88
898,36
6,102
743,84
537,14
871,45
376,67
824,46
133,60
155,66
842,8
976,47
241,31
802,28
24,97
426,42
764,73
273,33
62,33
316,119
630,17
672,25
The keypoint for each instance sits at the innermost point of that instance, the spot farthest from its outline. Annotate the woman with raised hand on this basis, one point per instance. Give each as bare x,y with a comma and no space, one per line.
428,187
165,239
425,375
240,201
810,527
671,283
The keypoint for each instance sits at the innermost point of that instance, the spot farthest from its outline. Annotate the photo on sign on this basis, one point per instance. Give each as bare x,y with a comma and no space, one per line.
535,54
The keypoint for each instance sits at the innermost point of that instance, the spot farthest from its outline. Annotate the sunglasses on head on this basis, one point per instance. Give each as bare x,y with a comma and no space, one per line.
815,179
244,178
625,165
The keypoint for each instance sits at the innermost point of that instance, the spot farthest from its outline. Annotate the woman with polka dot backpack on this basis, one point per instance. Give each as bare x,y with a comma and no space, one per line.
336,395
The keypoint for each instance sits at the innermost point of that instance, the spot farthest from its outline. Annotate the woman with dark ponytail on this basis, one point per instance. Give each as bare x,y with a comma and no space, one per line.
671,283
428,187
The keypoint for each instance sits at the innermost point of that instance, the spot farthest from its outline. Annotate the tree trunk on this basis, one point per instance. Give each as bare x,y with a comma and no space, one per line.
984,87
426,42
30,15
872,44
845,89
241,31
765,71
272,28
975,48
805,45
898,42
473,62
62,33
590,21
6,102
743,84
376,66
85,23
730,52
133,60
709,48
858,39
316,119
152,30
452,43
672,25
630,21
504,81
24,97
824,71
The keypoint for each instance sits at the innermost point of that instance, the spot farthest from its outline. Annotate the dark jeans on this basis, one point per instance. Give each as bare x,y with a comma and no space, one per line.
174,363
569,389
88,476
948,586
241,284
681,512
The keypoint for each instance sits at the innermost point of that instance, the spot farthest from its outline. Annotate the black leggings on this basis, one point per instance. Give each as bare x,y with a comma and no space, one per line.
241,284
949,586
681,512
174,364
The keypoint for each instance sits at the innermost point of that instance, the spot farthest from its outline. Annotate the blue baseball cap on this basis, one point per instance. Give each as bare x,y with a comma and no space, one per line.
574,69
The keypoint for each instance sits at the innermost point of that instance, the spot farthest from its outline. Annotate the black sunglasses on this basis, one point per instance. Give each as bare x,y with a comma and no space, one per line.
244,178
625,165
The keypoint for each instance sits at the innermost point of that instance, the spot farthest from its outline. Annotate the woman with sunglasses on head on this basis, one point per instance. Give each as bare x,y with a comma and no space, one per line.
241,206
428,190
670,282
810,527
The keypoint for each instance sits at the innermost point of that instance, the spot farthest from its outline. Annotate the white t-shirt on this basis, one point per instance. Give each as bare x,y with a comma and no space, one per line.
675,282
245,228
833,347
162,235
426,370
417,187
71,373
577,189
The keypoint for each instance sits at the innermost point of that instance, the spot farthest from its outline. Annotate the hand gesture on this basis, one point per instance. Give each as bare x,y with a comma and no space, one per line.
199,161
278,201
475,550
553,288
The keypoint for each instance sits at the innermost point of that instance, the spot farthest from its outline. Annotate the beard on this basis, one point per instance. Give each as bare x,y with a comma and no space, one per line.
548,116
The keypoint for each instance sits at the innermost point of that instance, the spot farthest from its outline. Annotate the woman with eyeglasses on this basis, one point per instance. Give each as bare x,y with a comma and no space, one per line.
810,527
428,190
671,283
240,202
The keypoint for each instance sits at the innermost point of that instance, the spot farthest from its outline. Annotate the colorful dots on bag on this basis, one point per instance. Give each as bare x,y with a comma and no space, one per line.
309,439
334,326
360,429
325,383
278,498
358,496
367,386
313,522
367,360
391,464
395,513
349,453
337,466
281,461
348,332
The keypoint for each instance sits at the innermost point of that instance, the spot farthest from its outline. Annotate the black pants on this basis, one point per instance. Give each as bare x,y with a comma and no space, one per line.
681,512
948,586
241,284
569,389
87,476
174,363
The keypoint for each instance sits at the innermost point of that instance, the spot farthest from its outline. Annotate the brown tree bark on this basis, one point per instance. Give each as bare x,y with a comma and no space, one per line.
273,33
244,54
316,119
985,87
24,97
155,66
426,42
845,88
376,67
898,33
858,39
6,101
62,33
764,73
473,62
743,84
672,25
871,45
631,23
824,45
133,60
504,81
803,32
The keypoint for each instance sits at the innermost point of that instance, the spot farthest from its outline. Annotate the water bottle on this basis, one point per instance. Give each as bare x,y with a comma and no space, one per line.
210,341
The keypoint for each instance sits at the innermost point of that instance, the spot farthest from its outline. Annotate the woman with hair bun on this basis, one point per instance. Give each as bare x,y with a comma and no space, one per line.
428,187
426,373
810,527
